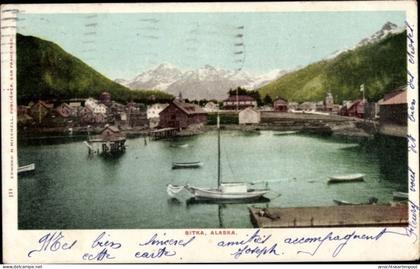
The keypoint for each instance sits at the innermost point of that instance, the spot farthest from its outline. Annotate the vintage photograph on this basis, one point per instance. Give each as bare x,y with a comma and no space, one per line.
180,120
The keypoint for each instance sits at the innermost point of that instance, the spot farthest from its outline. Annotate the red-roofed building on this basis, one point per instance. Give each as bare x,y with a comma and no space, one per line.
356,109
40,110
393,107
280,105
181,115
240,102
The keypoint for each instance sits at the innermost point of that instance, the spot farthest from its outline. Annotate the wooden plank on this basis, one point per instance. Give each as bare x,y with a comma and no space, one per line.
330,216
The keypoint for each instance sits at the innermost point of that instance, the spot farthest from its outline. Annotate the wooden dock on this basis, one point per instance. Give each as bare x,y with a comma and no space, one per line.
162,133
330,216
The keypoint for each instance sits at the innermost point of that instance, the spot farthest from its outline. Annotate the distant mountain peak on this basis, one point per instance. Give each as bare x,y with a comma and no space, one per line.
389,26
206,81
166,66
386,29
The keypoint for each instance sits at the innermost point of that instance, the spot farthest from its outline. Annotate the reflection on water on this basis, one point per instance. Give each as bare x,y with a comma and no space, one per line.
72,190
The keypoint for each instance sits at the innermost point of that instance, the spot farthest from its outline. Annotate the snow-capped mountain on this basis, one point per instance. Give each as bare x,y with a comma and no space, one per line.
157,78
387,29
205,82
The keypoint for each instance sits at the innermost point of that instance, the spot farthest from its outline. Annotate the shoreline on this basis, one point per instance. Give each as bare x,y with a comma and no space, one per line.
339,131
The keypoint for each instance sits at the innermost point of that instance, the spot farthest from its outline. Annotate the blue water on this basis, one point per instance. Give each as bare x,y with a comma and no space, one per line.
72,190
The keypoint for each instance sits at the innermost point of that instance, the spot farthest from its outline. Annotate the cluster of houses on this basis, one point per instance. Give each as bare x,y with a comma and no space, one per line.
179,114
82,112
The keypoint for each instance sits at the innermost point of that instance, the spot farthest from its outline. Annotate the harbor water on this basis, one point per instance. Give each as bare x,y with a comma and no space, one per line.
73,190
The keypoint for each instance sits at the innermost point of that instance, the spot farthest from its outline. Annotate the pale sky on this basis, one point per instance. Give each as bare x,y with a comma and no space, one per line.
124,45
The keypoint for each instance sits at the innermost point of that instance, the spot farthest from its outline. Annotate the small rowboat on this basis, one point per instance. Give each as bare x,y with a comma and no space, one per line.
342,202
371,200
285,133
346,178
400,195
179,146
26,168
187,165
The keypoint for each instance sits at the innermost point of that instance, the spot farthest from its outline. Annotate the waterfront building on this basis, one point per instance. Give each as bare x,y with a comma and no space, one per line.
249,116
356,109
136,115
393,108
240,102
181,115
40,110
280,105
110,141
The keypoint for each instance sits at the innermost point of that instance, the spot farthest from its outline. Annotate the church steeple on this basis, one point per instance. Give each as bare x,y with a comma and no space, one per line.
180,97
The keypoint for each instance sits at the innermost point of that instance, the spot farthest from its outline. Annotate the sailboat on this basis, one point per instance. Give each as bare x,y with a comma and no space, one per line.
224,191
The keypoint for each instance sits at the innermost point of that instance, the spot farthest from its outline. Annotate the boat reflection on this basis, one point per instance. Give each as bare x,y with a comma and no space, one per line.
173,202
196,201
221,204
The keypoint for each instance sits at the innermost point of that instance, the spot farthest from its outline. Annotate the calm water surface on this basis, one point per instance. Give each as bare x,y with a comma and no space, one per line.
71,190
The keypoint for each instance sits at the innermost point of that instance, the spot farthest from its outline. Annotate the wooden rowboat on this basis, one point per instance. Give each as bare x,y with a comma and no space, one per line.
286,133
346,178
186,165
400,195
26,168
371,200
179,146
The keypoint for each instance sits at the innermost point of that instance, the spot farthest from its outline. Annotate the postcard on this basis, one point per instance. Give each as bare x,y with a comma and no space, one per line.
210,132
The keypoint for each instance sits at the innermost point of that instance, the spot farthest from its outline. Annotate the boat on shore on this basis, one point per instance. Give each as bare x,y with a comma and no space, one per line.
224,192
400,195
358,177
186,165
26,168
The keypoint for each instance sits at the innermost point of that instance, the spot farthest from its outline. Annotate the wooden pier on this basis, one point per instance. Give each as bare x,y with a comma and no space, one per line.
330,216
110,141
162,133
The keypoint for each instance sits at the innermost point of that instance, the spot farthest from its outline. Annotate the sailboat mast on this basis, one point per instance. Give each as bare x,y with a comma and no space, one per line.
218,150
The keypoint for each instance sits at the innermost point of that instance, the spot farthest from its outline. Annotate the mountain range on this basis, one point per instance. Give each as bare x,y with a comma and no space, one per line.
205,82
213,83
379,62
46,71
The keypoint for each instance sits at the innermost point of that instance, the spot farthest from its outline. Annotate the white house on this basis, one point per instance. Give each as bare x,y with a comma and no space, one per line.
211,107
154,110
249,116
307,106
95,106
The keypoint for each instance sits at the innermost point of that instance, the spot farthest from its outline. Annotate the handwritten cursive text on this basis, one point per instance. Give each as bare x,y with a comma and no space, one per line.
251,245
105,245
52,242
165,245
331,237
